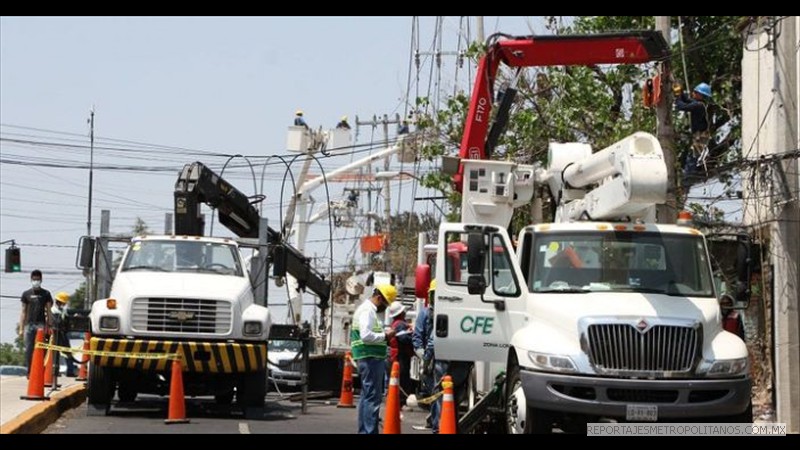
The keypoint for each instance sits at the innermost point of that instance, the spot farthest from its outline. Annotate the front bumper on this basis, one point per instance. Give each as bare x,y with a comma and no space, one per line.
200,357
609,397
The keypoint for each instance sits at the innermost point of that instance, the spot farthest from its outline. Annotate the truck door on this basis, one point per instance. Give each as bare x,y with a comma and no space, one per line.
471,327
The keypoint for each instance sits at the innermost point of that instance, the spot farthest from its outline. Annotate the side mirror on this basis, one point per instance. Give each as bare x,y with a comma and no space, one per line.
422,280
476,253
85,257
476,285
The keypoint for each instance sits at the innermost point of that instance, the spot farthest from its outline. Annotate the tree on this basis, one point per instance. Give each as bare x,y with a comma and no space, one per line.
140,228
13,354
403,229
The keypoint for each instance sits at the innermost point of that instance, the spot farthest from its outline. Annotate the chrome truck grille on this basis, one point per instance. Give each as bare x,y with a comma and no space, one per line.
631,348
181,315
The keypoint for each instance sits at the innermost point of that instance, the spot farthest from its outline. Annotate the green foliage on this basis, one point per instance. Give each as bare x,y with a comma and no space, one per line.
404,229
13,354
140,228
76,298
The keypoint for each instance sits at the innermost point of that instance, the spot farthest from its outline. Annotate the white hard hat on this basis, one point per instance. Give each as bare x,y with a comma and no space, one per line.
395,309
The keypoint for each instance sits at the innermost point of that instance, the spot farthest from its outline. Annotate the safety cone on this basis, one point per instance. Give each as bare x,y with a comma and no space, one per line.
36,374
447,419
83,372
177,404
391,423
49,360
346,397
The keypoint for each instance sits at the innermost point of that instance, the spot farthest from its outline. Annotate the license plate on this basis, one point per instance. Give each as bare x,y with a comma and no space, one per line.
642,413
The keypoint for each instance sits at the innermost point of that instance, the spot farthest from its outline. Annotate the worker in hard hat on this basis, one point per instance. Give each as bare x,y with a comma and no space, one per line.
343,123
298,119
400,348
59,316
368,341
697,107
423,347
403,129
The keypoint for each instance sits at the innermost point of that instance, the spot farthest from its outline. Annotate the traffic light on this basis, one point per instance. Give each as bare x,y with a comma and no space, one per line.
13,260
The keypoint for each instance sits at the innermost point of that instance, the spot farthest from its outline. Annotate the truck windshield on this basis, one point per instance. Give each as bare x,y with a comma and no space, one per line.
182,256
672,264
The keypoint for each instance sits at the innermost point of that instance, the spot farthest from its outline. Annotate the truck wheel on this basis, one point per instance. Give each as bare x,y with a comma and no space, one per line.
224,398
100,387
253,389
520,418
126,391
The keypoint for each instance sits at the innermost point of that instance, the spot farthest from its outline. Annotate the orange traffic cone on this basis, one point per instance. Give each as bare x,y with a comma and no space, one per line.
83,372
391,423
447,420
177,404
36,373
49,360
346,397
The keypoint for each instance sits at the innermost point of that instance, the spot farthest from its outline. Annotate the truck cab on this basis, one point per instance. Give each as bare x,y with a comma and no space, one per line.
594,320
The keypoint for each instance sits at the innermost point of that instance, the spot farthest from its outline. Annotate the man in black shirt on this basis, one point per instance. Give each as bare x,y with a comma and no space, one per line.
36,302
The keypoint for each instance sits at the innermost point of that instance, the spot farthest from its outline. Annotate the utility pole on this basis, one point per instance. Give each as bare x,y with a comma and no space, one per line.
91,171
665,133
479,28
89,288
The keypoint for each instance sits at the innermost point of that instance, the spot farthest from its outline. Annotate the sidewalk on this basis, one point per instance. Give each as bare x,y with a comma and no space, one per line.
31,416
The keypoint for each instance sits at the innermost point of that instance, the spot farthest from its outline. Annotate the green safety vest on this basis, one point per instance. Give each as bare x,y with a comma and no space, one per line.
361,350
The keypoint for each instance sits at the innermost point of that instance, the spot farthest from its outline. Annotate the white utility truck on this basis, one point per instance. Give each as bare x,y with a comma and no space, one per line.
602,314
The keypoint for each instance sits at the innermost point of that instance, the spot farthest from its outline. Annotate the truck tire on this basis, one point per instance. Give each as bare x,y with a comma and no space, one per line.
126,391
224,398
520,418
252,389
100,389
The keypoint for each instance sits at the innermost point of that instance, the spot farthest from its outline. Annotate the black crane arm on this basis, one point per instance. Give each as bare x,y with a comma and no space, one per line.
197,184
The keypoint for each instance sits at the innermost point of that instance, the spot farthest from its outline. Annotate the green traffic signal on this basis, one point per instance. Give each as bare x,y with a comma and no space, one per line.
13,260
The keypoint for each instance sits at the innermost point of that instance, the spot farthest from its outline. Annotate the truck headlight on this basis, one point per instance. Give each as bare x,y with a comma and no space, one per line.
252,328
109,323
725,367
554,363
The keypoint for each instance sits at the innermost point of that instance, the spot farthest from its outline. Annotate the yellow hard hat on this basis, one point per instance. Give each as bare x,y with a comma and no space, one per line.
344,118
299,112
388,292
62,297
432,287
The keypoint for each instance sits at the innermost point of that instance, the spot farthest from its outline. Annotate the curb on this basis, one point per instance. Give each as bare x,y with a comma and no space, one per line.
35,419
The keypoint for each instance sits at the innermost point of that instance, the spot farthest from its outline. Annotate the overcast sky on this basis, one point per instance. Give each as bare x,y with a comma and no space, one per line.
193,89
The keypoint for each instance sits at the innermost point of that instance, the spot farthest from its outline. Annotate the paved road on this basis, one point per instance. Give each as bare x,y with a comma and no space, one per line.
147,415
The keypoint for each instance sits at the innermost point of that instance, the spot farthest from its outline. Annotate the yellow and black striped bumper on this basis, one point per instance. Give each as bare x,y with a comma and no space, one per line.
201,357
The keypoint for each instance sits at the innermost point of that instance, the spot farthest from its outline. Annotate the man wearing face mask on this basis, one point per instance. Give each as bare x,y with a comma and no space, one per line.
368,340
35,304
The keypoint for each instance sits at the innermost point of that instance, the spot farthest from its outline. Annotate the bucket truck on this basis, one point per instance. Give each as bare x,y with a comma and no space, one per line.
601,314
191,295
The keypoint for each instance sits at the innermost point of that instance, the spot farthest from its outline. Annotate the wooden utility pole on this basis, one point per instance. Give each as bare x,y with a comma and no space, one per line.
664,131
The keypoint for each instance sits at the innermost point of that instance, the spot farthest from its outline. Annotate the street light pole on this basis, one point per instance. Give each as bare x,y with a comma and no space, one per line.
87,300
91,171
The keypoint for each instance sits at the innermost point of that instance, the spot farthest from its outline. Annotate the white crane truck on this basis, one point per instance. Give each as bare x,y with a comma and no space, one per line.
602,314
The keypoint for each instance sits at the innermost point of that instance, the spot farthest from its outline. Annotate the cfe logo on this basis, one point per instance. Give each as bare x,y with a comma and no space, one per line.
477,324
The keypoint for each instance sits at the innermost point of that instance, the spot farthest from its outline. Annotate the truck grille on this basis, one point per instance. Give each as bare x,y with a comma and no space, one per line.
181,315
621,348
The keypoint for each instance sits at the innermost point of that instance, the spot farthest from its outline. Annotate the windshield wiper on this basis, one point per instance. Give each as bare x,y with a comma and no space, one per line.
564,290
156,268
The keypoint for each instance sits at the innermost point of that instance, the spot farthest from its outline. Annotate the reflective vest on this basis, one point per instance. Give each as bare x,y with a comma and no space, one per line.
360,349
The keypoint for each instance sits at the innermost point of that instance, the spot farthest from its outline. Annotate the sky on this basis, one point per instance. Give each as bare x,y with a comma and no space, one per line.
170,91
